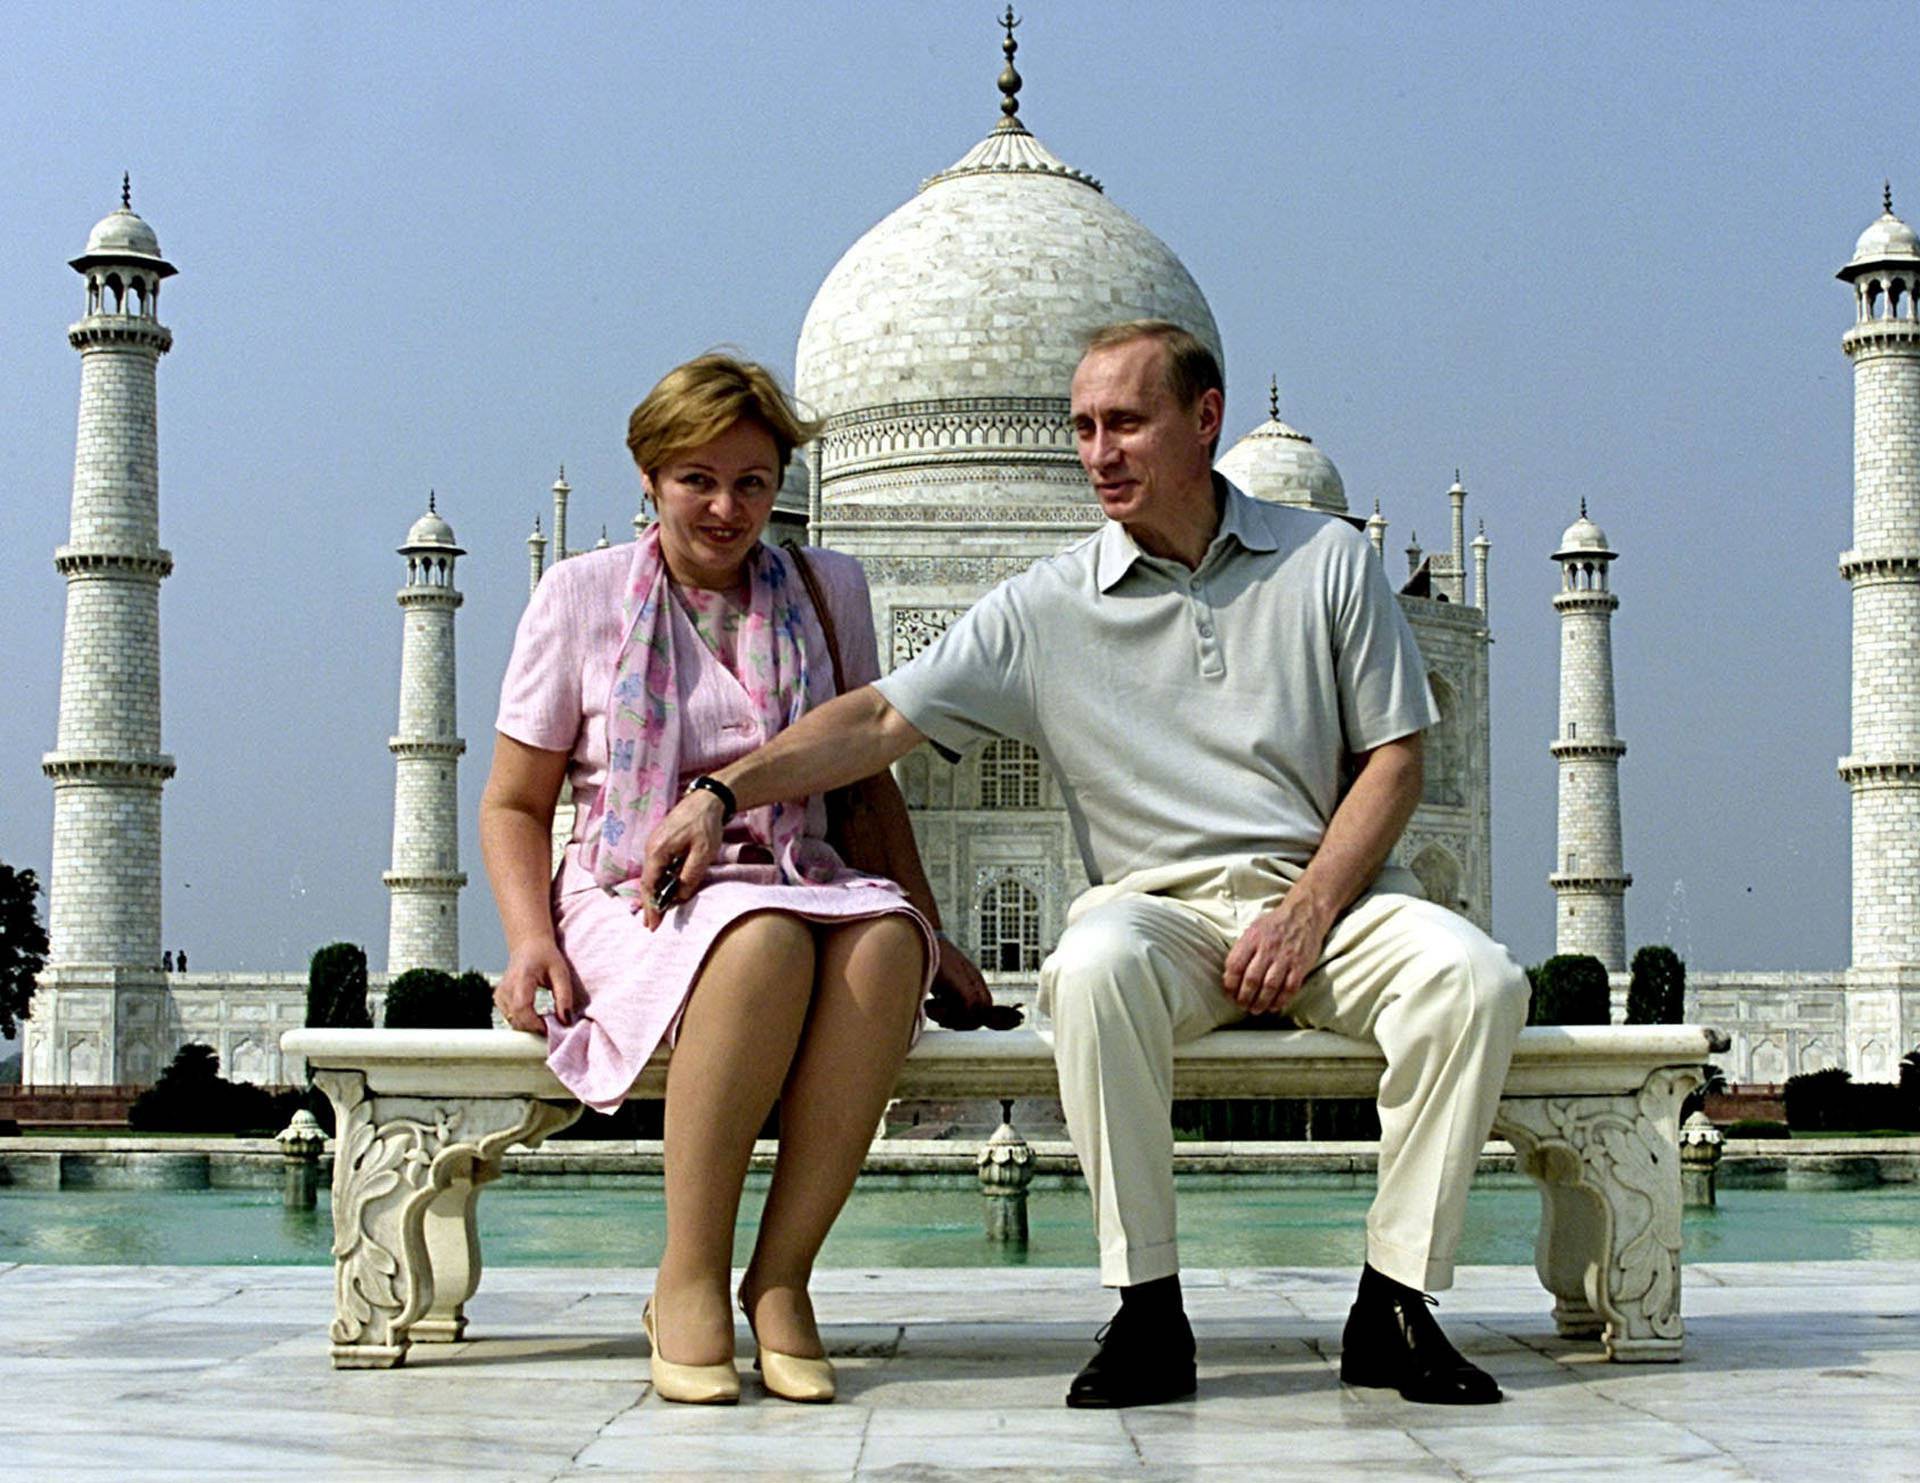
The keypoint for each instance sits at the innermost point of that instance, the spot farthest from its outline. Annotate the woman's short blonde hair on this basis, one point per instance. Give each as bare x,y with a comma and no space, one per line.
697,402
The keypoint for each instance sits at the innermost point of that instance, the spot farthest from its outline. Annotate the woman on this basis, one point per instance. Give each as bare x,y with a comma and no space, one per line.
791,975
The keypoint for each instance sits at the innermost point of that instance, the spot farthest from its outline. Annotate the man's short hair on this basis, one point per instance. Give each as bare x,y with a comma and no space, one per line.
1192,368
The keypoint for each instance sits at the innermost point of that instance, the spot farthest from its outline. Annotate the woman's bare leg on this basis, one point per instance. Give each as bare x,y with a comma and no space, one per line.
867,987
735,1047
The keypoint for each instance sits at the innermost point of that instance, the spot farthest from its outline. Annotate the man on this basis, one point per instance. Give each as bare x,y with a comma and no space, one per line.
1232,702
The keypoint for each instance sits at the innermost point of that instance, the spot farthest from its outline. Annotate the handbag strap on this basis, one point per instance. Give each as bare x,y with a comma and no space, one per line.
820,611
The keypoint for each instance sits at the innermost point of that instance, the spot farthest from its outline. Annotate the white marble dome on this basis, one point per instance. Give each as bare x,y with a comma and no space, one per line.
120,237
983,284
1889,237
1583,538
430,530
1279,463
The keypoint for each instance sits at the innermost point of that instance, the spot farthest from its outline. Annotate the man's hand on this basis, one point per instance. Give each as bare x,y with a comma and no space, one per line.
1274,956
690,833
531,966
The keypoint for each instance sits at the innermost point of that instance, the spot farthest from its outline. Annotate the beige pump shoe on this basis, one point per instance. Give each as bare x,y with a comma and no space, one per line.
790,1376
697,1385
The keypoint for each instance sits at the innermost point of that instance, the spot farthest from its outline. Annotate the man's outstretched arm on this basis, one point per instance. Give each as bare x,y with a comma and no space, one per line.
1273,957
849,738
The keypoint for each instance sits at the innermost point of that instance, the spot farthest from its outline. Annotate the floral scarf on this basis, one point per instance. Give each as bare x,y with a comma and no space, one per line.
643,722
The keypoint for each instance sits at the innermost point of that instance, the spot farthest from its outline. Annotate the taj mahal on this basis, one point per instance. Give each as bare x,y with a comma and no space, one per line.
938,351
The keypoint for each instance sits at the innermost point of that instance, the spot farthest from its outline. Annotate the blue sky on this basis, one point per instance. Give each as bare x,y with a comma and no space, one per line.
1576,252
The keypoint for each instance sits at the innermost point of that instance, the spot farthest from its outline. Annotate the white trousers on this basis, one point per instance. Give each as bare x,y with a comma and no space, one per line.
1138,970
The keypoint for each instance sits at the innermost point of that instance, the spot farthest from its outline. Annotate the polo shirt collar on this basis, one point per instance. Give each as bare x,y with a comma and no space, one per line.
1239,518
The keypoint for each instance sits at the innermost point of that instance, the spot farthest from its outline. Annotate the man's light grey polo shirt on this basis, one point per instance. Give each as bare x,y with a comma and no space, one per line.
1186,714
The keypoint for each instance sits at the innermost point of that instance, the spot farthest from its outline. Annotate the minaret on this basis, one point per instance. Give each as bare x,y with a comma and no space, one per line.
1588,881
1377,532
1882,767
561,489
1481,546
1457,497
423,929
1414,553
536,557
107,767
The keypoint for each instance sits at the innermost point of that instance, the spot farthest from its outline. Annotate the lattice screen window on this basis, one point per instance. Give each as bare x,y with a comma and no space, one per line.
1009,928
1009,776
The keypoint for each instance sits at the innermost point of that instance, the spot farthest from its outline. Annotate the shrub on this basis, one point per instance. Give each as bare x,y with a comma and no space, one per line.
1831,1101
430,999
1757,1127
1657,994
193,1097
1815,1099
337,988
1569,989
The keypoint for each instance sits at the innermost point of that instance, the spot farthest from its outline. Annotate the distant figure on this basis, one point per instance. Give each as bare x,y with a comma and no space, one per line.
166,962
181,958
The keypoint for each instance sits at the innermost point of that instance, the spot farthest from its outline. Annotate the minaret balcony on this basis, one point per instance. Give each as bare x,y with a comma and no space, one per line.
1889,336
1869,568
105,561
1597,885
423,880
116,331
444,750
1598,600
1588,746
137,769
1880,772
424,596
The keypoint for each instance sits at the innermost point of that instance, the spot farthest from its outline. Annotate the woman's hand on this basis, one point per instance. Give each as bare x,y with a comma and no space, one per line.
532,966
690,834
960,999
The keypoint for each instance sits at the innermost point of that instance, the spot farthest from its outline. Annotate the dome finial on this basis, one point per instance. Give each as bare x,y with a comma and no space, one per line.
1009,78
1273,397
126,190
1886,196
1583,507
430,509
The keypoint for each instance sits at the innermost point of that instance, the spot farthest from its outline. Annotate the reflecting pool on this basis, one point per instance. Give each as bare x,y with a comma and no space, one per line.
1237,1221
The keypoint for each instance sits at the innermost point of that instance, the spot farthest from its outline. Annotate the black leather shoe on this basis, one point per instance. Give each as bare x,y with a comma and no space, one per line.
1137,1364
1392,1341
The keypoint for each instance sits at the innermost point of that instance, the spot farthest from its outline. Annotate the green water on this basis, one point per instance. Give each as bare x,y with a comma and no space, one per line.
1245,1221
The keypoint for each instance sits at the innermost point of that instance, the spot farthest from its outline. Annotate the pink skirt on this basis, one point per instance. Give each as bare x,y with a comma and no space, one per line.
635,983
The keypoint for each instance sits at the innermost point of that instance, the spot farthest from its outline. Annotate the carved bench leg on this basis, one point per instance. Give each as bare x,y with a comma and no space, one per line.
395,1160
453,1257
1608,1169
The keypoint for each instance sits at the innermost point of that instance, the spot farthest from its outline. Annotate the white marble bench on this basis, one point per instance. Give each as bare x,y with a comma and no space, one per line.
425,1116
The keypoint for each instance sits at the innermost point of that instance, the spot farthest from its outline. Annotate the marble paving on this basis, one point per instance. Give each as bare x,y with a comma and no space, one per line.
1800,1373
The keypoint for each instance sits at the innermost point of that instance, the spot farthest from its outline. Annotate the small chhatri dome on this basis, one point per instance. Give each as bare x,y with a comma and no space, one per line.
983,284
1887,238
795,488
430,529
1584,538
1279,464
121,236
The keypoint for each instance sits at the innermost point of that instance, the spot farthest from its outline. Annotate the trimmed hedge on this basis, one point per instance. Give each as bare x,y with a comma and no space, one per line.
1831,1101
337,988
1657,994
1569,989
193,1097
430,999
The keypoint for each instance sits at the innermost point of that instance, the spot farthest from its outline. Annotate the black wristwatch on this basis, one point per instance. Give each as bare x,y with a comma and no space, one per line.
705,784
